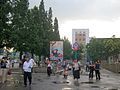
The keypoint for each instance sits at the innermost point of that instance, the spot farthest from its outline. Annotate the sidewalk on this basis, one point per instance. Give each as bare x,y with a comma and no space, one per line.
12,79
109,81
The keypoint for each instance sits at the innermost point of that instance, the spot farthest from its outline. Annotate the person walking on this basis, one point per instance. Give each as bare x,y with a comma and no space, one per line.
33,64
65,73
87,66
49,68
91,70
97,70
12,61
27,66
76,70
22,62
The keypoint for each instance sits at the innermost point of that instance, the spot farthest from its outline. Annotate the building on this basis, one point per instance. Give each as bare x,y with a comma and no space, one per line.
81,36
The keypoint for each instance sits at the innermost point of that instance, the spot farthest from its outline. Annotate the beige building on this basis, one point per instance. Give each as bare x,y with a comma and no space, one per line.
81,36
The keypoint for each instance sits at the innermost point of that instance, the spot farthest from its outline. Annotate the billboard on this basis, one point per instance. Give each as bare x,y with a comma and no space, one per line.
56,50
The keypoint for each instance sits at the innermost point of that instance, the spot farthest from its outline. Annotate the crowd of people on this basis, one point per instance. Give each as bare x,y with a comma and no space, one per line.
5,62
64,66
55,67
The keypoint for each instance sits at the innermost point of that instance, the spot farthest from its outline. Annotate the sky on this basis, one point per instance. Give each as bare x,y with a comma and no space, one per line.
101,17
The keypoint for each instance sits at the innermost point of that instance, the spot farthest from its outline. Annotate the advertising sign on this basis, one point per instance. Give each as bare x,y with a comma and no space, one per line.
56,50
76,46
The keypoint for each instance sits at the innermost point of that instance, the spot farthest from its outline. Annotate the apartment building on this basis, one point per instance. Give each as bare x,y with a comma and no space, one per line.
81,36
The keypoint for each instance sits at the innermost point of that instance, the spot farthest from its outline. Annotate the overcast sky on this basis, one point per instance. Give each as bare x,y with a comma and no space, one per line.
102,17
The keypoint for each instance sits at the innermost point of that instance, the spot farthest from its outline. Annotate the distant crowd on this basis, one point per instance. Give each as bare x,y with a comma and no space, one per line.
60,67
64,66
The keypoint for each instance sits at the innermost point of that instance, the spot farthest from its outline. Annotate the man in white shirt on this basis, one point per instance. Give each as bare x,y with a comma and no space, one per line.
33,63
27,66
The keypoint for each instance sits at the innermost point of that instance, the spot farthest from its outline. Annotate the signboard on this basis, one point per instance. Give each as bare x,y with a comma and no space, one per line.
76,46
56,50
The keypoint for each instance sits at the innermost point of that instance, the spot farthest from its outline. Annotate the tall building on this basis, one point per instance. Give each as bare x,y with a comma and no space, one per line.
81,36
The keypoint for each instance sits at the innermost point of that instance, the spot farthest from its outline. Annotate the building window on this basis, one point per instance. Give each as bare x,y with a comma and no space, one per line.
76,34
83,34
83,39
79,39
76,39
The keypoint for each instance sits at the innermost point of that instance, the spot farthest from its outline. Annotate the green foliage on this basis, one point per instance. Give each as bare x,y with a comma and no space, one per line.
27,30
19,36
103,48
94,49
56,31
5,27
50,25
35,37
67,50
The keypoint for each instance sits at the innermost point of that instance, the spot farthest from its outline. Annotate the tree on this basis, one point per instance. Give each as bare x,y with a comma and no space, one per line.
27,30
44,29
112,47
56,30
103,48
95,49
50,25
20,33
67,49
35,35
5,25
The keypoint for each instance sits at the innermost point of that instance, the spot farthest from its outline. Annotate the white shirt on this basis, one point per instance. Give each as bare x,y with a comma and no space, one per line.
49,65
27,66
76,66
32,62
8,64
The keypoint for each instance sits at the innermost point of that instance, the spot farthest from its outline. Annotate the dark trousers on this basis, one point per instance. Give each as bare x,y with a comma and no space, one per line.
49,71
97,72
91,74
29,76
87,68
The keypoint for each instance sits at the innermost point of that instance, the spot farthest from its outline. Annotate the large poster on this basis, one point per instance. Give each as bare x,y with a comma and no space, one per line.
56,50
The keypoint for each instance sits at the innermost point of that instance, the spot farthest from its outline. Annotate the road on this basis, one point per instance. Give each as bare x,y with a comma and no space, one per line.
109,81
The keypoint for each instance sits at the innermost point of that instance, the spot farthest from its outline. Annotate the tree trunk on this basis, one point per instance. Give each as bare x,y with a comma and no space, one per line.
21,53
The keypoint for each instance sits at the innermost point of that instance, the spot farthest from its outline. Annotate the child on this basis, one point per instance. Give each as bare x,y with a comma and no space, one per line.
65,73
